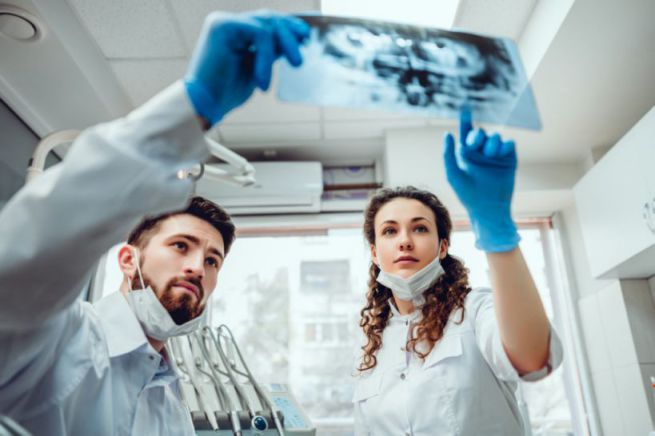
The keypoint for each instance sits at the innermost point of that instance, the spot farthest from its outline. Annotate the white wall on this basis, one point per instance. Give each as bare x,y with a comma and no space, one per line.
17,143
415,156
617,318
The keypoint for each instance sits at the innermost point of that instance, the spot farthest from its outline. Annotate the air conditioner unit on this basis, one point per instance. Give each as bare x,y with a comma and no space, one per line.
281,187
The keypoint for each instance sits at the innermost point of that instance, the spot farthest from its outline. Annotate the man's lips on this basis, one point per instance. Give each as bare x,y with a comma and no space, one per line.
190,287
405,259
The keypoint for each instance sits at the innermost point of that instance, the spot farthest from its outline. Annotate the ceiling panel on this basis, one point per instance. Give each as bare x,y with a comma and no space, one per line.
192,13
505,18
142,79
367,129
346,114
131,29
266,108
269,133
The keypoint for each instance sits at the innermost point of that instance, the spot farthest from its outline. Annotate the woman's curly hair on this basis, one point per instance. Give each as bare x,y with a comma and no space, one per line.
443,298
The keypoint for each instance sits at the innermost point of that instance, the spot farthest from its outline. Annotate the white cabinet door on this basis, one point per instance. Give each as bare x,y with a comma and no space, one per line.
644,139
611,198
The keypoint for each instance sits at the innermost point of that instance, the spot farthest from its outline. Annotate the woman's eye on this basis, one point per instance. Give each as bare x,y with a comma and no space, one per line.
421,229
180,245
388,231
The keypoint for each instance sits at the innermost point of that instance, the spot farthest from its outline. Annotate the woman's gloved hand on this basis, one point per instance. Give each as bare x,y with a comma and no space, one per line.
481,169
235,54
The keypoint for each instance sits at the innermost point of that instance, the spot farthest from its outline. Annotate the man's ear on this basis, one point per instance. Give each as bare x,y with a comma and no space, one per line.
374,255
126,260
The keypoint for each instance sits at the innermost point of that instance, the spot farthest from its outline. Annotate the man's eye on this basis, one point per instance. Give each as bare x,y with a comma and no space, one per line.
212,262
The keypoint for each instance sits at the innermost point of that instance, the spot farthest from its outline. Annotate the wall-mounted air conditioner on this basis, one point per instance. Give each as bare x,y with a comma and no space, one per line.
281,187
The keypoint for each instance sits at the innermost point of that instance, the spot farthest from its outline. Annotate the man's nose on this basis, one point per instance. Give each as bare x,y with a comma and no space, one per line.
195,265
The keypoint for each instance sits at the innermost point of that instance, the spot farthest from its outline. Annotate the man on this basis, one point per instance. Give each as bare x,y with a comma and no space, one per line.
171,264
67,367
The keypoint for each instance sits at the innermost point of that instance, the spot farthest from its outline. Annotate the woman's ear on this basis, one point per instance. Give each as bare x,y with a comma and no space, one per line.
443,249
126,260
374,255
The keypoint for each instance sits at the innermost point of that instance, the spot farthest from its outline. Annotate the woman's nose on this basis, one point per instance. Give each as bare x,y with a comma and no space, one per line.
406,242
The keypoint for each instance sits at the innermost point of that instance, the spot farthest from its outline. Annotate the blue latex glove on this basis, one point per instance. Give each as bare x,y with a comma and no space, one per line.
235,55
481,169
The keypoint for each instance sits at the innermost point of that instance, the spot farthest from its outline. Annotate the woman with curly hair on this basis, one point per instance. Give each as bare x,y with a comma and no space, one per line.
442,358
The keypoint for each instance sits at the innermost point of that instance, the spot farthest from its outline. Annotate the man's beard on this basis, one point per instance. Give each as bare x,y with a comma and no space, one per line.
182,308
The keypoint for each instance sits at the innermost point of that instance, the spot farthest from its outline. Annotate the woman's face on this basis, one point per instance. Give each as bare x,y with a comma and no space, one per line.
406,237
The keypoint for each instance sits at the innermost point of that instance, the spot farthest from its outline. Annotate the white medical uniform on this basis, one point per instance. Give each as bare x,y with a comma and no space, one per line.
66,367
466,386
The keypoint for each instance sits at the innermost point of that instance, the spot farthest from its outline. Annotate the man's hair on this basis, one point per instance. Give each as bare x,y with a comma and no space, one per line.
199,207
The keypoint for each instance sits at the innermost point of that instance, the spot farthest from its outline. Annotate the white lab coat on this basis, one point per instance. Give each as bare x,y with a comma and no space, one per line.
59,372
466,386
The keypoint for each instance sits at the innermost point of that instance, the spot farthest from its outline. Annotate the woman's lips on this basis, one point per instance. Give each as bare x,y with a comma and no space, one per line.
405,260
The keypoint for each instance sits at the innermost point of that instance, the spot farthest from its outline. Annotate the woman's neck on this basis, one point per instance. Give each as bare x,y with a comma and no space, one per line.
404,307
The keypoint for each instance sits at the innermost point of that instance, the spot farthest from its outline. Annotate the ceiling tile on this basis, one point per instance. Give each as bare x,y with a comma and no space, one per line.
505,18
143,79
348,114
131,29
266,108
191,13
367,129
269,133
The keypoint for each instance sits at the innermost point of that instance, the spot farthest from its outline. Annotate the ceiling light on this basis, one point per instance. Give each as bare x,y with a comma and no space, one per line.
428,13
19,25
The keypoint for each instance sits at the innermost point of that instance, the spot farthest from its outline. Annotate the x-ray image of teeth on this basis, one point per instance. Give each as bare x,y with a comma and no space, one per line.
360,63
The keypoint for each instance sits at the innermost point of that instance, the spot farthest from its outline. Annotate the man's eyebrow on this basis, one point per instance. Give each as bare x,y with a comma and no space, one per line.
196,241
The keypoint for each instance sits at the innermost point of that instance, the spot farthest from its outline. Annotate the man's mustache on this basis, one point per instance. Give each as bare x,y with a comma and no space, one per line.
194,281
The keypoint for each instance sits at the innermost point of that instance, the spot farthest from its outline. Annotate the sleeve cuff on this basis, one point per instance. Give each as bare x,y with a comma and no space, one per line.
555,354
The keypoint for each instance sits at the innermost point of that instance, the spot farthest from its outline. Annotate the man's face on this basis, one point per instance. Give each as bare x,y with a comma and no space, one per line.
181,263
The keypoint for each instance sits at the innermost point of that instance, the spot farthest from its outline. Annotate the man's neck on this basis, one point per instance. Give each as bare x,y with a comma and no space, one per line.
157,345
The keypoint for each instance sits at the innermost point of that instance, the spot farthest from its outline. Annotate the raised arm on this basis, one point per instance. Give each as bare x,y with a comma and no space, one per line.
481,170
53,230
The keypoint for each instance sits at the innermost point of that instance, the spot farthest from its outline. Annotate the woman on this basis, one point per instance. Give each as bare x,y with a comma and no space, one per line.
441,358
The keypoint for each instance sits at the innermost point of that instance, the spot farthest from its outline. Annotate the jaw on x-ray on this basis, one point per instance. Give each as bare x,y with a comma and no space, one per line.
394,67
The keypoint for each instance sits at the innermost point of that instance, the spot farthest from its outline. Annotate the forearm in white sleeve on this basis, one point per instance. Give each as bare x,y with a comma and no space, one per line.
54,229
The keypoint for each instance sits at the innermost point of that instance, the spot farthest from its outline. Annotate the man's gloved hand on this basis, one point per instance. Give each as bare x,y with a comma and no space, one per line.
235,54
481,170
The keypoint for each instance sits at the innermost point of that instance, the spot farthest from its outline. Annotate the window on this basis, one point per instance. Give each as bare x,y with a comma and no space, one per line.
331,276
293,303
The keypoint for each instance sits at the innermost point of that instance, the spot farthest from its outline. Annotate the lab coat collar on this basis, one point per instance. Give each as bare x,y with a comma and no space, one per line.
396,316
122,329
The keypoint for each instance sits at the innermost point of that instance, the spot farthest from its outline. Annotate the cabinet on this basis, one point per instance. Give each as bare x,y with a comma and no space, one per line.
616,205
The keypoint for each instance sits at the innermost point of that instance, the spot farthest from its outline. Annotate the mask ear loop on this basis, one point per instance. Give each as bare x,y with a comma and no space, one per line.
135,253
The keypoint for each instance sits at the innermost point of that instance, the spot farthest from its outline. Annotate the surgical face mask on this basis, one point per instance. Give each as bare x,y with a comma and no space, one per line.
153,316
412,288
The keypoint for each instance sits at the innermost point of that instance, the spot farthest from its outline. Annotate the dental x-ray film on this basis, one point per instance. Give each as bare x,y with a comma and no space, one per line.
396,67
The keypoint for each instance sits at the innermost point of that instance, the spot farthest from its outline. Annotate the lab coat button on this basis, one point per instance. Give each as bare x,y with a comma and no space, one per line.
402,376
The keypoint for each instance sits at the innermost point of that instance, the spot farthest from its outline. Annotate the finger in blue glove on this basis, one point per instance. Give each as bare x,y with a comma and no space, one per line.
481,170
492,146
235,54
